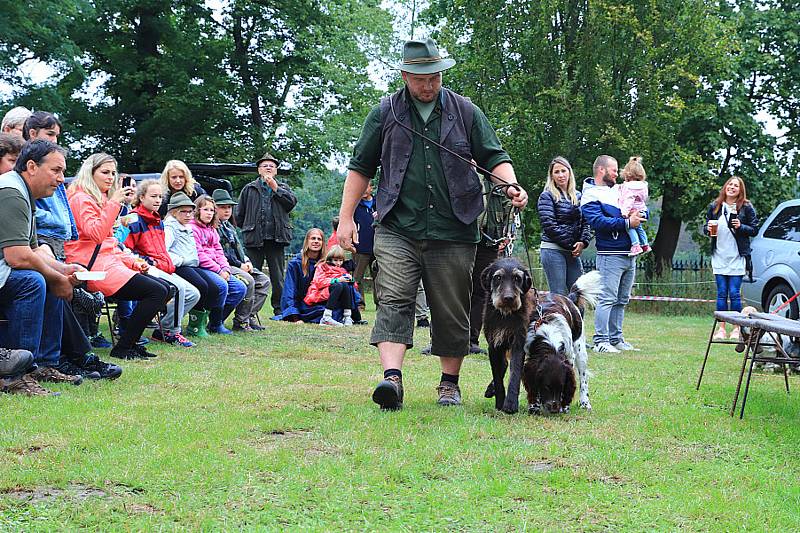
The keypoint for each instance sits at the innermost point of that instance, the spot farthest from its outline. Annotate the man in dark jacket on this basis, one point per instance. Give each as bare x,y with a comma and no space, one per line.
364,217
263,215
428,202
600,207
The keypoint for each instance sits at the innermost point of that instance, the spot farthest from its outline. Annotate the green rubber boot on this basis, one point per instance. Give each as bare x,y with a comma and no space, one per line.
198,320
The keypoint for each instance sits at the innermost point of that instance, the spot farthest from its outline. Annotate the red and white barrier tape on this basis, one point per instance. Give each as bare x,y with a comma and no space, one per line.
670,299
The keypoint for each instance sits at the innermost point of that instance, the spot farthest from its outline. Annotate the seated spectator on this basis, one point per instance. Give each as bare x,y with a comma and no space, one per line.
146,239
33,285
182,249
10,147
93,196
299,274
333,286
176,177
14,121
246,314
212,259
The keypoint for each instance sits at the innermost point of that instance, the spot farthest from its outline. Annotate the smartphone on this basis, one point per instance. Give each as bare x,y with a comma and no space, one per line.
127,181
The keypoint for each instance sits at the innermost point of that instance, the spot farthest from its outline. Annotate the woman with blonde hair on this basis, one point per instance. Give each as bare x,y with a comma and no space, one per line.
175,177
565,233
730,222
96,199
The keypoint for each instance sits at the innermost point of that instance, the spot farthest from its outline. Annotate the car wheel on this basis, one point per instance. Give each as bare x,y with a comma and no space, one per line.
778,296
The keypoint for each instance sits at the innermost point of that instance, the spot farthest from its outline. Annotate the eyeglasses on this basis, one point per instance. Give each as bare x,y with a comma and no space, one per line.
267,165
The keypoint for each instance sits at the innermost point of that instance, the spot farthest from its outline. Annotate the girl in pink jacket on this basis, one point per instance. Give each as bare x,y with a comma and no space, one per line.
212,258
633,196
333,286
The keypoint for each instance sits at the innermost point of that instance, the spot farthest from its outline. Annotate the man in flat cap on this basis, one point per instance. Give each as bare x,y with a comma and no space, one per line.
428,202
263,215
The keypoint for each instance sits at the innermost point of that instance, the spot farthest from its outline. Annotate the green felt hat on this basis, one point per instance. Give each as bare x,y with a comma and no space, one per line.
223,197
422,57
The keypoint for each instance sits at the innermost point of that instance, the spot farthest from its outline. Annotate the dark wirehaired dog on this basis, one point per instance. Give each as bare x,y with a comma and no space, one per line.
544,339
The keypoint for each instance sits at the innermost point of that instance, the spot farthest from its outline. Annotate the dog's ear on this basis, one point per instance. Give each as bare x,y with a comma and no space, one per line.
526,281
568,393
486,277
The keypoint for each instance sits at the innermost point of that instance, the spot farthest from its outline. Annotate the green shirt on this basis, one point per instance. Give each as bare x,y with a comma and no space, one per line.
423,210
16,227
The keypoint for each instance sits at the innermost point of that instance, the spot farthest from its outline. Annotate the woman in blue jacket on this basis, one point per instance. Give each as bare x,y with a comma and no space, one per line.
565,233
736,221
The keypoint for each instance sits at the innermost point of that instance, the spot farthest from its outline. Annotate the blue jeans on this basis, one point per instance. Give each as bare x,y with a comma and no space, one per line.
618,273
638,236
231,294
561,269
35,317
729,287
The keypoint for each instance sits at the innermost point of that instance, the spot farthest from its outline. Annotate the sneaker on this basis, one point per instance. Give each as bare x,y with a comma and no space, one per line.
474,349
13,362
106,370
178,340
423,323
735,332
99,341
646,248
720,334
48,373
348,321
361,322
605,347
238,326
635,250
449,394
389,393
625,347
143,353
125,353
70,368
326,321
26,385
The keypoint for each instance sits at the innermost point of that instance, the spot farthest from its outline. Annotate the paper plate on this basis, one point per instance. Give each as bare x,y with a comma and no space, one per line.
90,276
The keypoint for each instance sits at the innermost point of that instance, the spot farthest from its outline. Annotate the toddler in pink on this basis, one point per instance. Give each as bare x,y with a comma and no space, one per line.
633,195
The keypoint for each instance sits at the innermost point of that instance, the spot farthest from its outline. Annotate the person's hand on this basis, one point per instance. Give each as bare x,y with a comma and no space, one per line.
225,275
61,286
272,183
634,219
736,223
123,195
578,248
141,265
519,198
247,267
708,226
345,234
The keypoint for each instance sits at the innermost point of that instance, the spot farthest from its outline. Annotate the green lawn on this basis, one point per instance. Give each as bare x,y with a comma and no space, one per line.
277,431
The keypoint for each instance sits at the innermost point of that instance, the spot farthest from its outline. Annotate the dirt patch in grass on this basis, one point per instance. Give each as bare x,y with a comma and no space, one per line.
32,449
539,466
302,439
74,491
141,508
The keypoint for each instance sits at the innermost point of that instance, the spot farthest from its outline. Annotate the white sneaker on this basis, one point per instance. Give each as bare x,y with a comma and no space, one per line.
348,321
625,347
325,321
604,347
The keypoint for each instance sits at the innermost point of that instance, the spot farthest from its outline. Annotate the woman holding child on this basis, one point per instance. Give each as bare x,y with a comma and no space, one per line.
730,222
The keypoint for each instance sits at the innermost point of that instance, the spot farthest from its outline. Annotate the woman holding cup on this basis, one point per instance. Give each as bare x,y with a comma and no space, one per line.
730,222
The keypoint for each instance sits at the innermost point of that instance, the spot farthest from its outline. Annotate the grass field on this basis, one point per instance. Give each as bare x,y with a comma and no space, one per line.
276,431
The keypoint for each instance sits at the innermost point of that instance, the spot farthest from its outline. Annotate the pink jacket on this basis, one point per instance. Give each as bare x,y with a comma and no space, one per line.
95,222
209,250
319,289
633,195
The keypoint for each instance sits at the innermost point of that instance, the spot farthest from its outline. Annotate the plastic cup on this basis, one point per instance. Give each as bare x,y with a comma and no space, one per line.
712,227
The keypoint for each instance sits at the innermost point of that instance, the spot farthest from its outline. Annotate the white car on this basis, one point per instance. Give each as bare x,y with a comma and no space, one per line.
776,262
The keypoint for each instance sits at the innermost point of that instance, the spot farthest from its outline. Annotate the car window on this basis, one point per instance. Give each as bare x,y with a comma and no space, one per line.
786,225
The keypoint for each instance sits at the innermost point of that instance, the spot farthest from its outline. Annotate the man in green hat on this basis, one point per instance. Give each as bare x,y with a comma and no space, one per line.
263,215
428,202
245,316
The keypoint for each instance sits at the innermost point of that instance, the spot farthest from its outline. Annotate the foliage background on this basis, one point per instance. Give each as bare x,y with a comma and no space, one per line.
701,89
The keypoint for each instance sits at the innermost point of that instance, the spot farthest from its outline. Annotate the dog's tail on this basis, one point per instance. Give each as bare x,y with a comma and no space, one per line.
586,289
